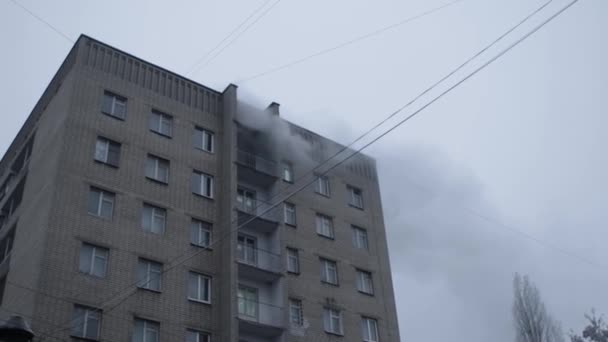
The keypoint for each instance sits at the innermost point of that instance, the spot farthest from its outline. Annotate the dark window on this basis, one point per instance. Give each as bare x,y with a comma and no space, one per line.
161,123
107,151
101,203
114,105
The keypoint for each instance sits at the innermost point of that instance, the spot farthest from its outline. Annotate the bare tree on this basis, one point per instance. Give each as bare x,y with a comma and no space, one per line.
532,322
596,331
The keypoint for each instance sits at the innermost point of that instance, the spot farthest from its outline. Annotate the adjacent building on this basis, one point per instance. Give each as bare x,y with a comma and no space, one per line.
138,205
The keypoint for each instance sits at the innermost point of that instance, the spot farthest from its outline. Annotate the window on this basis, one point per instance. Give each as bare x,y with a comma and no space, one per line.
148,274
364,282
323,185
93,260
293,260
332,321
246,249
114,105
157,169
146,331
287,171
355,197
245,200
360,238
289,214
161,123
107,151
296,316
197,336
153,219
86,322
200,233
248,301
202,184
203,139
101,203
369,329
199,287
329,272
325,226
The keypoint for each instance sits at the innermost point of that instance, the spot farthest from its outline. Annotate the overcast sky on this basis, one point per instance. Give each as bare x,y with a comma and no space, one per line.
518,149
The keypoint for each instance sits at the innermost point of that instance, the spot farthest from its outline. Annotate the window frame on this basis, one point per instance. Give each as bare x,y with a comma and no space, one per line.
158,162
319,188
200,287
287,174
148,280
202,228
158,128
112,112
352,196
322,219
325,271
328,315
365,328
87,311
109,144
199,333
146,322
154,214
359,232
293,254
287,205
205,135
296,304
256,307
101,198
363,279
202,179
91,262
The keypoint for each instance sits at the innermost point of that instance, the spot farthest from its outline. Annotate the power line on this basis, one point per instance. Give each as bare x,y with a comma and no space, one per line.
237,36
226,37
477,70
348,42
49,25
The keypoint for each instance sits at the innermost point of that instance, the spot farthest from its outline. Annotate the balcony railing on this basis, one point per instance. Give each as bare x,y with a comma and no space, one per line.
257,163
261,313
264,209
260,258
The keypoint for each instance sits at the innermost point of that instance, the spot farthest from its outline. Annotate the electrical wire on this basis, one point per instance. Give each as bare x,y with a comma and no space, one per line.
49,25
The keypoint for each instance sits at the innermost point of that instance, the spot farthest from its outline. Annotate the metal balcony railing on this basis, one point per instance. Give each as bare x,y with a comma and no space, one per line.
257,163
260,258
264,209
262,313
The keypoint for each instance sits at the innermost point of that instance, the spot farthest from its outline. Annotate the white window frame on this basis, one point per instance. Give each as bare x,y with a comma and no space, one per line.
148,326
158,164
207,142
97,252
324,225
200,286
247,302
289,211
329,315
329,269
193,335
360,238
88,313
116,99
295,306
157,120
369,325
205,182
355,200
198,230
156,213
249,249
287,173
365,282
293,256
145,283
102,197
102,150
323,186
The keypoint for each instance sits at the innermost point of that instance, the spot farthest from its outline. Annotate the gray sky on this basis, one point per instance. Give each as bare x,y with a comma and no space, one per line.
519,143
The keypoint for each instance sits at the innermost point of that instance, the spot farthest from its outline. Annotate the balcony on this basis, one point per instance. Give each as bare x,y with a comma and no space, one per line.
256,170
268,218
260,319
258,264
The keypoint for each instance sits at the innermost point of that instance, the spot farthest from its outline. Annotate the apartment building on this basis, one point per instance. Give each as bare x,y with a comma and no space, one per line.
138,205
